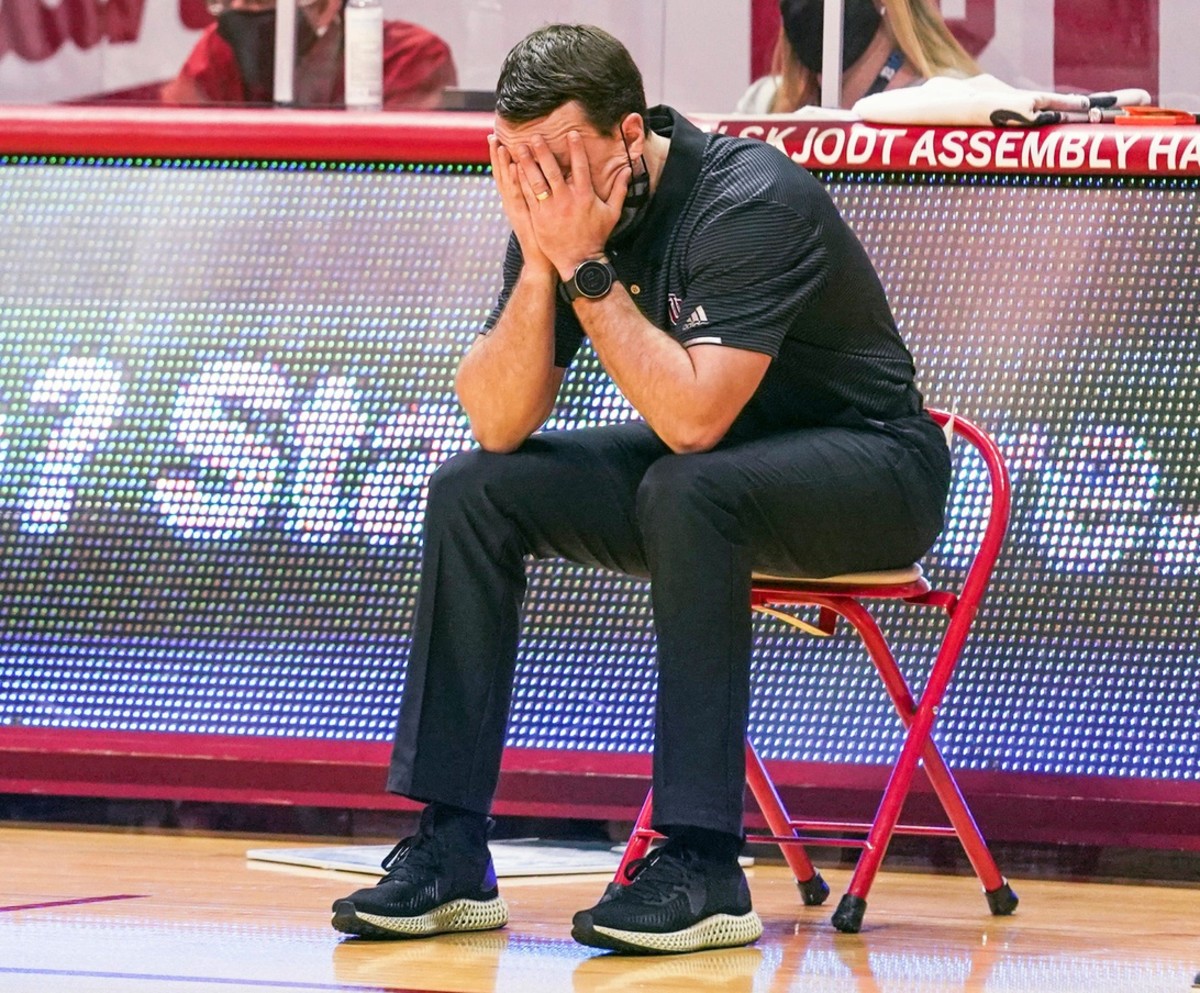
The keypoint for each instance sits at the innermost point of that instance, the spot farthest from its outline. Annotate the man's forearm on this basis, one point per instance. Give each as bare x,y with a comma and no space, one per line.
507,381
653,371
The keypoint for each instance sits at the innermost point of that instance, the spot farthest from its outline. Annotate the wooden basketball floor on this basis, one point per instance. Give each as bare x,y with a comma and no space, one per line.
109,910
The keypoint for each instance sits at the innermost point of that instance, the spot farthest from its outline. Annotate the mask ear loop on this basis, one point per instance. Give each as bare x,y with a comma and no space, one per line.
637,194
639,186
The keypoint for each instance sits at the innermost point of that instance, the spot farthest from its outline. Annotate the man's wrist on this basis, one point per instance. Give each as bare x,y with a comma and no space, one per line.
540,274
591,279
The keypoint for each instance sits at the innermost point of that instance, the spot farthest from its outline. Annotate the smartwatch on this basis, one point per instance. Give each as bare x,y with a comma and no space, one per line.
592,279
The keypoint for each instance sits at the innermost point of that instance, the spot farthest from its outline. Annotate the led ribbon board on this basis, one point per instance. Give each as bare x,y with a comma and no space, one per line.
224,386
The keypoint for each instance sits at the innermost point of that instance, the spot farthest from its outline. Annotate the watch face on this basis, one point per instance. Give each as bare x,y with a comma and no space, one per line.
593,278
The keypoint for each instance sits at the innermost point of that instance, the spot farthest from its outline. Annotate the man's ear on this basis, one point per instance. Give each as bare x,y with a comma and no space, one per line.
633,130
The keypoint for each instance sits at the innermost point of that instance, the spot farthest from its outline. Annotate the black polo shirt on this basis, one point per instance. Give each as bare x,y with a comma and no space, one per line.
743,248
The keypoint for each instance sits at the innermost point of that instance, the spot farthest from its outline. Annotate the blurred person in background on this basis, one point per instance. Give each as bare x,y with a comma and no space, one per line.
234,60
884,46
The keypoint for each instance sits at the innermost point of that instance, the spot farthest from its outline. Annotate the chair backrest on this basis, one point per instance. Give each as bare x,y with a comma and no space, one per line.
999,491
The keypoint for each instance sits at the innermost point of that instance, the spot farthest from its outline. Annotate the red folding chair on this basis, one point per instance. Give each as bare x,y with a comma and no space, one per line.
844,596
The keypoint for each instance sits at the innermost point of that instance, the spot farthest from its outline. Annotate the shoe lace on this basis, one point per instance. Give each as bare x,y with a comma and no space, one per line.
415,854
655,877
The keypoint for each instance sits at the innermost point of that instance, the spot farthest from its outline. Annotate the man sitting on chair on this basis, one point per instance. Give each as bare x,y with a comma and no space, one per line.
780,430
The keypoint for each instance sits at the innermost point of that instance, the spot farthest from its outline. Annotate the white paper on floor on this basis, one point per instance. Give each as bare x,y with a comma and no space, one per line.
518,857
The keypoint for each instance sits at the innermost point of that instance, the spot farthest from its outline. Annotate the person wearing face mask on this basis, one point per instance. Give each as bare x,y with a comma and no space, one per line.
234,60
885,45
778,429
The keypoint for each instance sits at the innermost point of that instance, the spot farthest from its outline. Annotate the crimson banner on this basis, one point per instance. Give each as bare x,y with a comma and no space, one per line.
1098,149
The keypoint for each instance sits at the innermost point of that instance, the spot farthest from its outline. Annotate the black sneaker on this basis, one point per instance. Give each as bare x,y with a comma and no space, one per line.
435,883
675,902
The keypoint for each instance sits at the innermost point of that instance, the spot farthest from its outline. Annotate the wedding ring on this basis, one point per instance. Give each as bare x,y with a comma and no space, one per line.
544,195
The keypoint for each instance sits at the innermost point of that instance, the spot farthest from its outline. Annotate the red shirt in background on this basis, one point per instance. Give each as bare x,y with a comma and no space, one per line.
417,67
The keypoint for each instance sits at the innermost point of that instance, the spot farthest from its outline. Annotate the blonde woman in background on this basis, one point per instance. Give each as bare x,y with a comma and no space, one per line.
884,46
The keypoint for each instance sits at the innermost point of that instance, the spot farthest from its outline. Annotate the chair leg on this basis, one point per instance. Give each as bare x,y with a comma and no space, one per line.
938,771
849,914
813,889
639,839
961,818
918,745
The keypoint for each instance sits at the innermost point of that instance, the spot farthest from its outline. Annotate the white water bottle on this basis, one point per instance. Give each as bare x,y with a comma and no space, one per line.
363,36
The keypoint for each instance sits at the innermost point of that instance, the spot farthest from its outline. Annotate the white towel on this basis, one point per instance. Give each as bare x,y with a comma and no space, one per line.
946,100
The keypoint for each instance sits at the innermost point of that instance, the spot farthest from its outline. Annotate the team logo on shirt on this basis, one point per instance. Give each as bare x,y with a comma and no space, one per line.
697,319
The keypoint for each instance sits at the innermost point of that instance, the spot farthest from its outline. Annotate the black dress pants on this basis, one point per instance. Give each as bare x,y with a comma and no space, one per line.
812,502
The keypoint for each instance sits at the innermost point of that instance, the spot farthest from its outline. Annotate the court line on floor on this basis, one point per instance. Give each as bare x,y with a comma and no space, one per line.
213,980
74,902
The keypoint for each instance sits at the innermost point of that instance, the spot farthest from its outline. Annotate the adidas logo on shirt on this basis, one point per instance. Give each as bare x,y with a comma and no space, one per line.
698,318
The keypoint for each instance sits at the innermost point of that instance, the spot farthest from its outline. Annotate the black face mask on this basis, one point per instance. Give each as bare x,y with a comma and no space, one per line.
804,25
251,35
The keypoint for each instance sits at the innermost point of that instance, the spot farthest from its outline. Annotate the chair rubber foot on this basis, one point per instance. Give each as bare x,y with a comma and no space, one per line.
1002,901
813,891
848,917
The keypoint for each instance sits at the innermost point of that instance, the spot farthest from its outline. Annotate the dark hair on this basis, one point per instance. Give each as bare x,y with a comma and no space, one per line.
804,25
559,63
